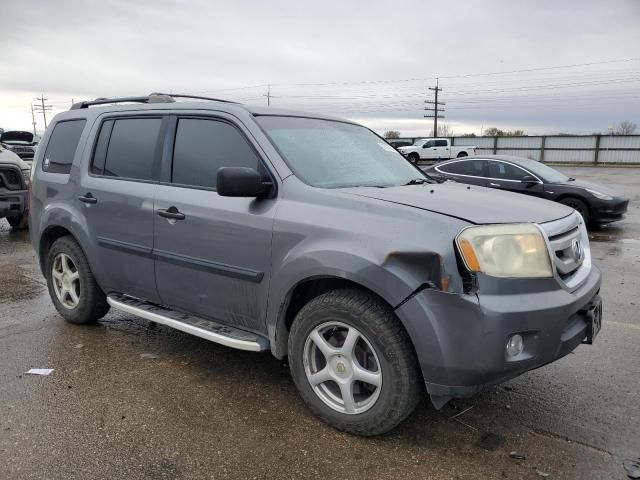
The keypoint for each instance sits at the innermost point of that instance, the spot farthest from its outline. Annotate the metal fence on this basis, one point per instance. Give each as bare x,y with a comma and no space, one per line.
582,149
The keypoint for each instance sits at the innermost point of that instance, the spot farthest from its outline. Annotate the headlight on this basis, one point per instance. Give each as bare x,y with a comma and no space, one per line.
600,195
26,174
517,250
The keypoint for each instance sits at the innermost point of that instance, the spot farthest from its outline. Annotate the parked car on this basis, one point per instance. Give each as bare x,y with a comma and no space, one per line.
21,143
398,143
597,204
14,181
265,229
435,149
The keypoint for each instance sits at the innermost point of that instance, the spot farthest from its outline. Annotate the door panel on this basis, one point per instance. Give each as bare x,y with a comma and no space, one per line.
121,221
212,253
215,262
117,200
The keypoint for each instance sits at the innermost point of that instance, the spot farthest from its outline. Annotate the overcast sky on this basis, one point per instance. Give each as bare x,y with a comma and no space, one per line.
371,61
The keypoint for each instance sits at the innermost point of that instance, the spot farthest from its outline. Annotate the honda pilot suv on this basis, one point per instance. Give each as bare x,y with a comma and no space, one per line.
310,237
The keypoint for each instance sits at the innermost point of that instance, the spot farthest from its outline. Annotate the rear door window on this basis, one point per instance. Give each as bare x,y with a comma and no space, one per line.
62,146
441,143
474,168
202,146
505,171
132,149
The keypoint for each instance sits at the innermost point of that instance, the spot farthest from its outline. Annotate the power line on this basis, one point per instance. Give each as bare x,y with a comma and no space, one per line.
33,120
435,108
43,108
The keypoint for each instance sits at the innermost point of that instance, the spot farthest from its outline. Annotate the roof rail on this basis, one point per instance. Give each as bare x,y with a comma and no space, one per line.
196,97
151,98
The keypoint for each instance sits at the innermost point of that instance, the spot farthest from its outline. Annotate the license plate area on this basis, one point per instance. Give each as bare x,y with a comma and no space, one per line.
593,318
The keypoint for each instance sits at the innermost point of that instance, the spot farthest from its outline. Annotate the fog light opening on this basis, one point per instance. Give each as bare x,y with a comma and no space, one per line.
515,346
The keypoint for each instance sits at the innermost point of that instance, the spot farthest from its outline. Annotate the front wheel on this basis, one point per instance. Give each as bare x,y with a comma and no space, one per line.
353,362
414,158
579,206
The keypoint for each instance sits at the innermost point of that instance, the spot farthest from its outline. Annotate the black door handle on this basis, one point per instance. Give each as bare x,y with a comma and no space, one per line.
88,198
171,213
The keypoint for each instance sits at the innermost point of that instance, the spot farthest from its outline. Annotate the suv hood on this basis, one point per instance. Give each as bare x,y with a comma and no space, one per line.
22,137
470,203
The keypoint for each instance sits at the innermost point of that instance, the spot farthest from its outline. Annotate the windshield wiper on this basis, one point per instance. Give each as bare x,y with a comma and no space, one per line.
571,179
417,181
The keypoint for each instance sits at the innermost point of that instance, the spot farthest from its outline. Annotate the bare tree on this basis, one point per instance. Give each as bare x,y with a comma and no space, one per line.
392,134
496,132
626,128
443,131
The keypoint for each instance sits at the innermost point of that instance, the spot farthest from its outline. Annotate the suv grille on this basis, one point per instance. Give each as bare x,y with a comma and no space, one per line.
570,252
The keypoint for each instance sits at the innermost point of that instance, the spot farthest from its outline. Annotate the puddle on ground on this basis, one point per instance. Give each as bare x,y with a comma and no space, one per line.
17,287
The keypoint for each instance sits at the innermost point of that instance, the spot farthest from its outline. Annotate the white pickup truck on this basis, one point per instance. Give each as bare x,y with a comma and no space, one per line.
435,149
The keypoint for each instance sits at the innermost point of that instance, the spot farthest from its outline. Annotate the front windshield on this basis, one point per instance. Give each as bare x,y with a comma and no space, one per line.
548,174
333,154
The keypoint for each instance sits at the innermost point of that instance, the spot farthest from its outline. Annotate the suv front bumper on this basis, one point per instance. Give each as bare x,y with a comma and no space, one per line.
460,339
13,204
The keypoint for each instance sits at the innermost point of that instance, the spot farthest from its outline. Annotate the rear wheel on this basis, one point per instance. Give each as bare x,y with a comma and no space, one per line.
353,362
414,158
19,223
580,206
74,291
462,154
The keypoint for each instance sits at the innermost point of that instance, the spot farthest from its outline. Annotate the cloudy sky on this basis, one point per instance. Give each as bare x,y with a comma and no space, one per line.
543,66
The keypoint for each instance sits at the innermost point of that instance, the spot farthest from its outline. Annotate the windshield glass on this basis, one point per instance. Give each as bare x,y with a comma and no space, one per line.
332,154
545,173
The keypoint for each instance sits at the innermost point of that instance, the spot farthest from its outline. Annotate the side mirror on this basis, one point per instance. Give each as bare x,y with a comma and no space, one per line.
529,180
242,182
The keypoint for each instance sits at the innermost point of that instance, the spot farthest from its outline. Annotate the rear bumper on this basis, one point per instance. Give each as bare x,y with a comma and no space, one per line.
13,204
606,211
460,339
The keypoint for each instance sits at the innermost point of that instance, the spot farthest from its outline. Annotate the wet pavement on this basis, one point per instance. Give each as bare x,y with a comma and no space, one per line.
193,409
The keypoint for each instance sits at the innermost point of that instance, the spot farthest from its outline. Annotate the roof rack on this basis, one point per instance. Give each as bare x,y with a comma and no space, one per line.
151,98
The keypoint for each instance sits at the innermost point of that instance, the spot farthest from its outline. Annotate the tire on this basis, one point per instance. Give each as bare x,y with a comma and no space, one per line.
581,207
392,363
414,158
462,154
91,302
19,223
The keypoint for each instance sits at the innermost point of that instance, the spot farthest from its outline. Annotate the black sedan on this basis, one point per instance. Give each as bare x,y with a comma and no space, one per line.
596,203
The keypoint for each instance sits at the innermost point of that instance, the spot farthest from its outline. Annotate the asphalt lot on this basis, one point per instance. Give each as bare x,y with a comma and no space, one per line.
199,410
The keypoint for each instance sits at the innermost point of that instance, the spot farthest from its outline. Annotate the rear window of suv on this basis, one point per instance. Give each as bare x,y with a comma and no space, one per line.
62,146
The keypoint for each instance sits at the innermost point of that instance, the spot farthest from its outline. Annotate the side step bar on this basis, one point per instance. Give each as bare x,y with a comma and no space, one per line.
215,332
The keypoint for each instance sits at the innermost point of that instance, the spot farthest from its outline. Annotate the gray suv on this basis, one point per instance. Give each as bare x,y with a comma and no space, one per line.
309,236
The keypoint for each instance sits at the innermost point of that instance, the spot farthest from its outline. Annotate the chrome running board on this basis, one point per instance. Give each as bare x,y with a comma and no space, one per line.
200,327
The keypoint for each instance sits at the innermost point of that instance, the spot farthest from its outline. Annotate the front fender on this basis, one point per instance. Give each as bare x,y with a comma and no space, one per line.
387,284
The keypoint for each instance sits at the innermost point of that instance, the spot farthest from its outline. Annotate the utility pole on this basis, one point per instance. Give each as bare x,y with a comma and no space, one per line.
268,95
43,108
33,120
435,109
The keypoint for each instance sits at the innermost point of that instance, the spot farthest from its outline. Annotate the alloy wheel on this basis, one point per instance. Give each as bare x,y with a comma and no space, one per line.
66,281
342,368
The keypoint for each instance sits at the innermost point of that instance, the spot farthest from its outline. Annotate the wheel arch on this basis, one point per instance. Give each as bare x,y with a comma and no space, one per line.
577,196
305,290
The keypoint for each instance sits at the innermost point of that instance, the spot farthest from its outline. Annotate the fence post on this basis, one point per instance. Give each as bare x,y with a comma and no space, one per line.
597,151
544,140
495,145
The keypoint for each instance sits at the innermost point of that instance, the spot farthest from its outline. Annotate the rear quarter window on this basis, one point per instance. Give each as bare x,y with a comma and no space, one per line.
62,146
